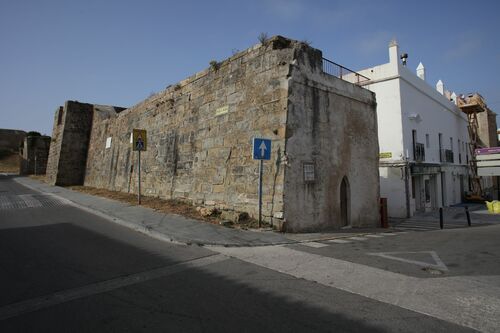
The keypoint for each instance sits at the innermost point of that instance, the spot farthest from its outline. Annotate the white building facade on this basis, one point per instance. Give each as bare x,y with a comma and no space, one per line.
422,137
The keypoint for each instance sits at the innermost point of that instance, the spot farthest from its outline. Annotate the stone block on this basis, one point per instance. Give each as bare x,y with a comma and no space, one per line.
233,216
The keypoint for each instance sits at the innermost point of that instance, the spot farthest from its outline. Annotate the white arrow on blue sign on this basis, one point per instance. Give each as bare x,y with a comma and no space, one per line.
261,149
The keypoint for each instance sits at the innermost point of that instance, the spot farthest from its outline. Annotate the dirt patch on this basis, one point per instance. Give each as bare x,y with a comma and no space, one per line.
40,178
169,206
9,162
178,207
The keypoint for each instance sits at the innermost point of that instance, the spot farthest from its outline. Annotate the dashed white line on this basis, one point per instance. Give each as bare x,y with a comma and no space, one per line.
338,241
314,244
358,238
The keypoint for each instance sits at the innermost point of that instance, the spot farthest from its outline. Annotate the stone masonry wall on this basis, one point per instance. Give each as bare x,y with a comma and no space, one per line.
34,155
200,135
55,147
71,135
331,126
10,140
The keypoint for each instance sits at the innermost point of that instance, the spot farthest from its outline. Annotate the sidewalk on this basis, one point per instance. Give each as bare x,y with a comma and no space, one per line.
453,218
175,228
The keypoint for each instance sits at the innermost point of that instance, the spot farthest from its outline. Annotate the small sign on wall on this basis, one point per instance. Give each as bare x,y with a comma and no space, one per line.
309,174
385,155
108,142
222,110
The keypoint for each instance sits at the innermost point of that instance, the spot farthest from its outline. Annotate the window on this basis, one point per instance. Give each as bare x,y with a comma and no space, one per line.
459,152
427,141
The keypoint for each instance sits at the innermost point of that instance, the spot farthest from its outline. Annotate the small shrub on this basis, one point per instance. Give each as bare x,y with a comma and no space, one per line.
33,133
263,38
214,65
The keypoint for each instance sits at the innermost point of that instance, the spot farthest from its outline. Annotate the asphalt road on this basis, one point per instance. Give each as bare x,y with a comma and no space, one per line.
467,252
65,270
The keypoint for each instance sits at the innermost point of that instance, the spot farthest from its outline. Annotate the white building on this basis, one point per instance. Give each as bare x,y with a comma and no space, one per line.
422,136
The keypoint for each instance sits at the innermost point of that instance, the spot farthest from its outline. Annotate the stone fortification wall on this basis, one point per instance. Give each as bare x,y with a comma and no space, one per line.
34,155
11,140
200,134
70,135
55,147
331,134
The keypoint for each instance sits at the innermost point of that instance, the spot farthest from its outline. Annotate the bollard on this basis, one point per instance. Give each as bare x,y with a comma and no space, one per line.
468,215
441,217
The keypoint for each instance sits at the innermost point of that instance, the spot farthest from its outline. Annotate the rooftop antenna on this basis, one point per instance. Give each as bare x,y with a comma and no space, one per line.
404,57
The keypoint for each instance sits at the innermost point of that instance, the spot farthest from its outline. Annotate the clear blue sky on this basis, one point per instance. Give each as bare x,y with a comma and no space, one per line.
118,52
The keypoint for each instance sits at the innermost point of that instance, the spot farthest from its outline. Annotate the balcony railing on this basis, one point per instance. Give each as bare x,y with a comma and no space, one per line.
344,73
419,152
446,156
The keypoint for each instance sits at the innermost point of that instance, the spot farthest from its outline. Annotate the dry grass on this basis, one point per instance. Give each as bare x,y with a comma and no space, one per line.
166,206
40,178
9,163
172,206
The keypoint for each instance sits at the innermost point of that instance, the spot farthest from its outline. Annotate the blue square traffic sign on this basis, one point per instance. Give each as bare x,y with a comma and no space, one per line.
261,149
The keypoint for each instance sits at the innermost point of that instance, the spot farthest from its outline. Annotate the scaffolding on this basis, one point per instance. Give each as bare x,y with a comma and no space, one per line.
471,105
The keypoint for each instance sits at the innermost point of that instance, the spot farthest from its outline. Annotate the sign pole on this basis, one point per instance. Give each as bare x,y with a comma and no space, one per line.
139,185
261,166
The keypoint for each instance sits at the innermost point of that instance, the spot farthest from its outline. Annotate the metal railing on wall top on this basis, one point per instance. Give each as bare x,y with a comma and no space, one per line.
344,73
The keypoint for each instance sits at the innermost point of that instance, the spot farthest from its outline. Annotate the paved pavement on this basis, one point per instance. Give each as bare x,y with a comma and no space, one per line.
453,218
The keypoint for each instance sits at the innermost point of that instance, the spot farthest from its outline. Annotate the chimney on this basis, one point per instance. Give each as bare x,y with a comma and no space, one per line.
393,52
454,98
440,87
421,71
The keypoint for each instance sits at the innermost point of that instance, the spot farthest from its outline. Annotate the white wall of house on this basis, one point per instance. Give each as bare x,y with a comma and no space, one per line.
407,103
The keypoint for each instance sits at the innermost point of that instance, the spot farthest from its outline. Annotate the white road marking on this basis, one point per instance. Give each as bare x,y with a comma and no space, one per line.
465,301
439,264
339,241
314,244
388,234
374,236
358,238
46,301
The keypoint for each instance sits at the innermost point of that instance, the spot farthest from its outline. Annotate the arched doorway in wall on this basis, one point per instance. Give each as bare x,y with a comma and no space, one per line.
345,203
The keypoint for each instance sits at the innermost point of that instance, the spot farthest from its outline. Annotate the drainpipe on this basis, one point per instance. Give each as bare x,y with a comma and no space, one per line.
407,189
